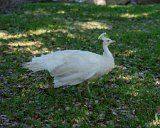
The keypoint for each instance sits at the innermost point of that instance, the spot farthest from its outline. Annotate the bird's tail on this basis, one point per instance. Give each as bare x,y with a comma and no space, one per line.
37,64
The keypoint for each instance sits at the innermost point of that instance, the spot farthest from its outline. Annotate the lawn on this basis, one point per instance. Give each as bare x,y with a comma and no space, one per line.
129,96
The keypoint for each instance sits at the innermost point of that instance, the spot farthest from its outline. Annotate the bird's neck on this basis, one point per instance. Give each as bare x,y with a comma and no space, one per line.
106,52
108,56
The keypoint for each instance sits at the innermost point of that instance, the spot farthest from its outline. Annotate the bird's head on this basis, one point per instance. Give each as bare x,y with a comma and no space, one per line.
106,40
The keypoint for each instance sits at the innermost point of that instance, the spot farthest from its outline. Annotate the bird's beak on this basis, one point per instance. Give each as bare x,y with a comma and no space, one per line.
113,41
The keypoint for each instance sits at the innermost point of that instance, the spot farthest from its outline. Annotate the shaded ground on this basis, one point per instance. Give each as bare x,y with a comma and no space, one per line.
126,97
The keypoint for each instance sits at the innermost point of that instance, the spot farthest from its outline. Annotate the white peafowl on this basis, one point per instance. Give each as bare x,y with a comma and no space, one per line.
72,67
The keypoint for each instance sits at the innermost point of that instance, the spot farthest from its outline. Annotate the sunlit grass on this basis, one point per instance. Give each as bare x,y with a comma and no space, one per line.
92,25
127,15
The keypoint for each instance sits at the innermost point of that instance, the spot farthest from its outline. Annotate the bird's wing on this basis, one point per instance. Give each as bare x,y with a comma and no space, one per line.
56,59
77,62
76,68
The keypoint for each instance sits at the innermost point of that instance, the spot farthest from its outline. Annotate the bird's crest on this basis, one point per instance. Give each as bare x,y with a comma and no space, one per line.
106,40
102,35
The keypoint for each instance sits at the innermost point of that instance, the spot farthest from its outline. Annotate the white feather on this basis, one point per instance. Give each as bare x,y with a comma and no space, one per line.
71,67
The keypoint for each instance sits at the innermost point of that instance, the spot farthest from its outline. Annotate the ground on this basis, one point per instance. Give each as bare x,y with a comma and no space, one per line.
126,97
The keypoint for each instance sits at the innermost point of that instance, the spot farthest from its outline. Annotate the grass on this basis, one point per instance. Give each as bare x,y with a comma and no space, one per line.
127,97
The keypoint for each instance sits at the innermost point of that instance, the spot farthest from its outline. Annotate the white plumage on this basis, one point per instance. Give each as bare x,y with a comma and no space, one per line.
71,67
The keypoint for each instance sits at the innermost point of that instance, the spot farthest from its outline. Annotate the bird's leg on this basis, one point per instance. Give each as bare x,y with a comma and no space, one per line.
88,88
50,85
50,81
80,90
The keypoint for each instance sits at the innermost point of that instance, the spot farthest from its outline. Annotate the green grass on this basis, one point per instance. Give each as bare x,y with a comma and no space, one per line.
126,97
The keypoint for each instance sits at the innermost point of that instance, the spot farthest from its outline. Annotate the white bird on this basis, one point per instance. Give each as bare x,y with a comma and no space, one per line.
72,67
